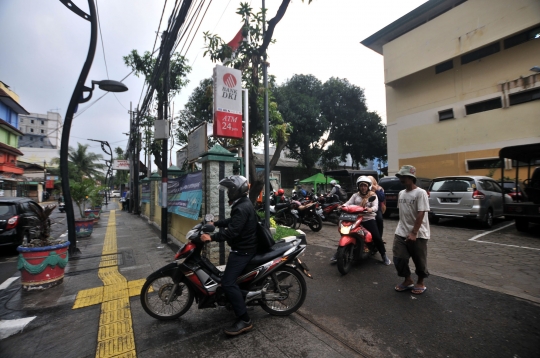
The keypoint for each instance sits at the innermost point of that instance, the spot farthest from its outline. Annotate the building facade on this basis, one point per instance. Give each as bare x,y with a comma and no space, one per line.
461,83
41,130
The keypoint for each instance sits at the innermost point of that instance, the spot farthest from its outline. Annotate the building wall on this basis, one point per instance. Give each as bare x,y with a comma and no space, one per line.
416,135
8,115
469,26
41,130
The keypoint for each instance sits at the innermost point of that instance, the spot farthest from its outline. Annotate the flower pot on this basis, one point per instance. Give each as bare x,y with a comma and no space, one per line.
84,227
96,212
42,267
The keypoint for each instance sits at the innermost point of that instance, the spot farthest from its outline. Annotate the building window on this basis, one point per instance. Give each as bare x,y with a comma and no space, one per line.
41,139
32,130
483,106
524,97
445,66
42,131
446,114
22,120
42,122
20,138
485,163
32,138
481,53
31,121
523,37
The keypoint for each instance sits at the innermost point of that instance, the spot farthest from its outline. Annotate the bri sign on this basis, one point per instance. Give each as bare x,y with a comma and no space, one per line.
227,102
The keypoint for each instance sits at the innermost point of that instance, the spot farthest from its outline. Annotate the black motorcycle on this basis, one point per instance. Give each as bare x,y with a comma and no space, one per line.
272,280
307,215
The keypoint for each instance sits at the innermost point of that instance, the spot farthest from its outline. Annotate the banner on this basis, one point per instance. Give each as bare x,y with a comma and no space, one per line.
120,164
227,102
145,193
184,195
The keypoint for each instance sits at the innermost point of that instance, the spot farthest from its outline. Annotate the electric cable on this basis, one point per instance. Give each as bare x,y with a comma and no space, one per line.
185,54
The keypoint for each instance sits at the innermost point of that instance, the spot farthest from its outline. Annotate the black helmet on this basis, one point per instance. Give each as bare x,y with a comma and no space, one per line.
236,186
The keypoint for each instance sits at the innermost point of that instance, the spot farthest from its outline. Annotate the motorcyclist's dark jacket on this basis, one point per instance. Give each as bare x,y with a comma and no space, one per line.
240,227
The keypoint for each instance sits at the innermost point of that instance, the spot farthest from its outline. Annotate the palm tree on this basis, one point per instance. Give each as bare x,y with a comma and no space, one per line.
85,161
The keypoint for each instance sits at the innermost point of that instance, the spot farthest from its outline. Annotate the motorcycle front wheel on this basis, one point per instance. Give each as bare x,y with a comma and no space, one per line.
345,258
157,301
286,219
315,223
293,292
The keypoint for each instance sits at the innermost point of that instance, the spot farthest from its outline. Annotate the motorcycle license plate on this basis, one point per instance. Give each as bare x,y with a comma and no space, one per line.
348,217
319,212
345,230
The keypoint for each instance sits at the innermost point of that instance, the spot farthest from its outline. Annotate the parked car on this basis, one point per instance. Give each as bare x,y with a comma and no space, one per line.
514,191
392,186
473,197
19,221
115,194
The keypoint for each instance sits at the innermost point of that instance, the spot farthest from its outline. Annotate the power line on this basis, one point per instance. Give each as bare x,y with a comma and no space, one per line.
185,54
215,27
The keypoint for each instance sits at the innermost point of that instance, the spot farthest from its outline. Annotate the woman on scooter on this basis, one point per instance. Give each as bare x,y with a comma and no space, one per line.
361,198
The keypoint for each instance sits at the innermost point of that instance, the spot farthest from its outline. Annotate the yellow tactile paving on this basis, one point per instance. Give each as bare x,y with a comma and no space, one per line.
115,329
116,346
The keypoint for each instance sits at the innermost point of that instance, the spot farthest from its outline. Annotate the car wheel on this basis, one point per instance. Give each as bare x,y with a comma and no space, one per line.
488,219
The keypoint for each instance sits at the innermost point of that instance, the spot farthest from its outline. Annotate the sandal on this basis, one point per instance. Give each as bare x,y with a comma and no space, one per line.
419,290
401,288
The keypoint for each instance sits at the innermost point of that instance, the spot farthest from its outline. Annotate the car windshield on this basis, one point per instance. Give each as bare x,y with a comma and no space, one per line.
7,209
392,185
454,185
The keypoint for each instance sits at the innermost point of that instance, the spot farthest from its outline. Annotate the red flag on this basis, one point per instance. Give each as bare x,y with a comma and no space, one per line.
236,41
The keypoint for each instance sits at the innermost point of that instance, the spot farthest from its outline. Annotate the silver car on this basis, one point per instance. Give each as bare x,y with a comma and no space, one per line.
474,197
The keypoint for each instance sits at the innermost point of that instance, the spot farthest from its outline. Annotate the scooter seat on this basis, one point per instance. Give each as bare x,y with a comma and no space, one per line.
275,251
281,206
324,206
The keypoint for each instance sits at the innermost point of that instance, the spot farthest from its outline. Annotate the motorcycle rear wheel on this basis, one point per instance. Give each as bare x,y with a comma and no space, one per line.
286,219
345,257
293,286
155,293
315,223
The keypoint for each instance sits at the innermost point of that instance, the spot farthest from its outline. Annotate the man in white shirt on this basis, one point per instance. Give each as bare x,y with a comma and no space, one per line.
412,232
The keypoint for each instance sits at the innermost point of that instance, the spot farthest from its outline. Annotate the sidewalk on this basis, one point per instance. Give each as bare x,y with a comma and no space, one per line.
96,311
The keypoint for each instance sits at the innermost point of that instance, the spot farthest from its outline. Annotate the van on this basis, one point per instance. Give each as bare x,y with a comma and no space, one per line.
347,178
392,186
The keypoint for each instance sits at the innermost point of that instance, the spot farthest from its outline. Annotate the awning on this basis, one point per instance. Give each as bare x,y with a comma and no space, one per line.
11,103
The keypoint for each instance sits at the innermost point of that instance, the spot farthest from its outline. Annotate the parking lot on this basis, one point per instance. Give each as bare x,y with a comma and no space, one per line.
499,259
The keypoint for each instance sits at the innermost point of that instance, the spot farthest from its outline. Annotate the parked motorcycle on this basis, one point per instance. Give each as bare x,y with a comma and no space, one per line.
271,280
329,210
356,243
307,215
62,206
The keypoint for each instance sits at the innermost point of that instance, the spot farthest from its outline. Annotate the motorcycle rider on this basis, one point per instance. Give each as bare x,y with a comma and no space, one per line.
240,235
280,196
361,198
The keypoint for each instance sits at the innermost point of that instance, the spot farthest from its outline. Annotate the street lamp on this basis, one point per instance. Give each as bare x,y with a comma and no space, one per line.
108,162
535,69
76,98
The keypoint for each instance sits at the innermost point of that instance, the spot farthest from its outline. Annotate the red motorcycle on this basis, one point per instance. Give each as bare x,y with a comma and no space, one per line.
356,243
271,280
329,210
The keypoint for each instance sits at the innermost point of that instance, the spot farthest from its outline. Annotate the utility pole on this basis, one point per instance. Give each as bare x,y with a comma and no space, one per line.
165,144
266,133
135,193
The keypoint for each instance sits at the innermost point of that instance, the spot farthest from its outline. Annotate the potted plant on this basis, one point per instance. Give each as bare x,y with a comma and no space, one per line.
42,259
80,193
94,211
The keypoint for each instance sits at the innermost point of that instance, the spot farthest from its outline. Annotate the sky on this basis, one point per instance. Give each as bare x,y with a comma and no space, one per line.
44,45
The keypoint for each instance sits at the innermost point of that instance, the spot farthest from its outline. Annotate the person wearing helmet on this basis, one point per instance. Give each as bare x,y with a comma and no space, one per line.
240,235
280,196
361,198
335,189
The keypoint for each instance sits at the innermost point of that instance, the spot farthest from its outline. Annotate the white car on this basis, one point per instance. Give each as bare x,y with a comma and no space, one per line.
115,193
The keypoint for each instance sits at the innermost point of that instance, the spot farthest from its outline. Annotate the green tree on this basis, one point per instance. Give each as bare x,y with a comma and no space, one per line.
298,102
144,65
82,163
121,176
249,59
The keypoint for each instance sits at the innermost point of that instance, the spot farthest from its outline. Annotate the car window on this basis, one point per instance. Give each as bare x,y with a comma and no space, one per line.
452,185
7,209
486,185
392,185
496,187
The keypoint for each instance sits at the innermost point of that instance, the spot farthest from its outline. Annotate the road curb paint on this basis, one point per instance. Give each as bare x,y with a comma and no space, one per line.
474,238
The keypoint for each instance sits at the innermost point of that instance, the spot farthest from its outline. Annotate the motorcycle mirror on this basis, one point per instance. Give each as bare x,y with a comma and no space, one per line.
209,217
372,198
208,228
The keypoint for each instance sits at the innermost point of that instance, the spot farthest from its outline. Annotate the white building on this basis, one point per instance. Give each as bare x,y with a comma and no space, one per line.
40,131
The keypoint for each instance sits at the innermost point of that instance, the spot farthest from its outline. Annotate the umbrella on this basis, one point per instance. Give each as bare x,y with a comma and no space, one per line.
318,178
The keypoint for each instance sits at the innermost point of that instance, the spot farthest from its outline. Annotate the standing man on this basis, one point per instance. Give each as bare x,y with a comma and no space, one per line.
240,235
412,232
128,199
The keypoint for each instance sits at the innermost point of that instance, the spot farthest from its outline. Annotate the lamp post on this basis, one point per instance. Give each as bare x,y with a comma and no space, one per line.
76,98
108,162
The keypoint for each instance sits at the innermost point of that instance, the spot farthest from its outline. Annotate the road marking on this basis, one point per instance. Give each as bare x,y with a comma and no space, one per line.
115,335
13,326
474,238
8,282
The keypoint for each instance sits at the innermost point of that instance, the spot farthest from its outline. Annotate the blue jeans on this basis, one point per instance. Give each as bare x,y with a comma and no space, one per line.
236,264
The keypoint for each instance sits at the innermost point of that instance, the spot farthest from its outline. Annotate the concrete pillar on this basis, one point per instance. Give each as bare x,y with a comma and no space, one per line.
217,164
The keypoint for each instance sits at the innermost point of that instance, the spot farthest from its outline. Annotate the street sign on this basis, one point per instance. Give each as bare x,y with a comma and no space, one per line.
120,164
227,102
197,143
181,157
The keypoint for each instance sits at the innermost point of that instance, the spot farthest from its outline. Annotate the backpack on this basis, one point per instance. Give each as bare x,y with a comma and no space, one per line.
265,240
342,194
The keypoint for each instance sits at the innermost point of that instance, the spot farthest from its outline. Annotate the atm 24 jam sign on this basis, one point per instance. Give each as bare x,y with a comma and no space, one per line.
227,102
228,125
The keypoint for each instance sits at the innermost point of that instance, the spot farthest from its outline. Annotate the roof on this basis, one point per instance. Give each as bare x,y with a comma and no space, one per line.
422,14
523,153
282,162
346,172
10,128
11,103
10,149
14,199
